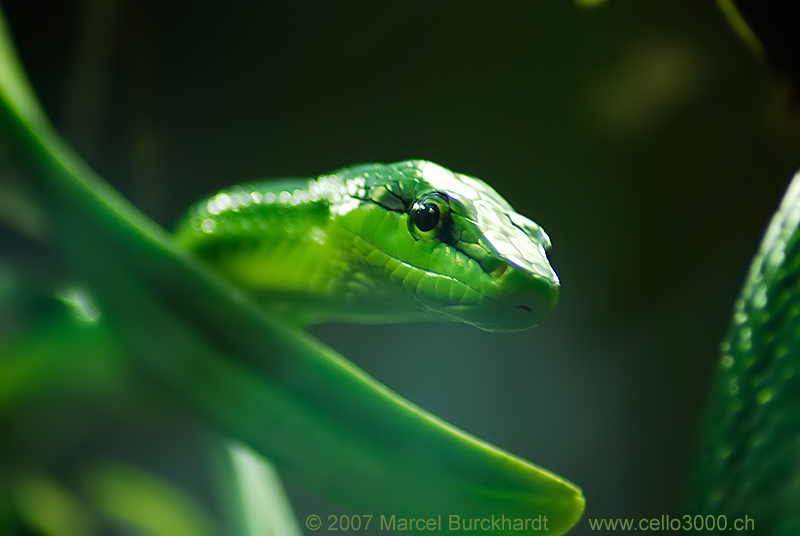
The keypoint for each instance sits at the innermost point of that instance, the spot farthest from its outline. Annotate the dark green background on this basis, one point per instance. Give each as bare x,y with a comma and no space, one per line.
645,138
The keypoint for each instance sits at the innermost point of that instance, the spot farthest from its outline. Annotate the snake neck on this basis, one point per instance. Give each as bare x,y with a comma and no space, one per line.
283,241
276,238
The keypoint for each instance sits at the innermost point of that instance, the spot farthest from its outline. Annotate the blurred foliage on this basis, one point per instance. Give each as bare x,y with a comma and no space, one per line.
769,26
644,137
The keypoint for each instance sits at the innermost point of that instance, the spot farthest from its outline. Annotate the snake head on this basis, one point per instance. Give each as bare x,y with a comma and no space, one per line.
448,245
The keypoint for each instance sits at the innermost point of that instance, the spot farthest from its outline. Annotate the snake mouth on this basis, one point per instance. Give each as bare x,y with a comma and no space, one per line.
494,316
519,310
528,292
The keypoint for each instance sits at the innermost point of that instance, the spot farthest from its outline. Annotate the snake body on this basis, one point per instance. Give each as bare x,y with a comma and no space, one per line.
749,461
379,243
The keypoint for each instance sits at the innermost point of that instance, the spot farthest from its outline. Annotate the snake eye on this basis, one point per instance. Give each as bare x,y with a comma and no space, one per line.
429,216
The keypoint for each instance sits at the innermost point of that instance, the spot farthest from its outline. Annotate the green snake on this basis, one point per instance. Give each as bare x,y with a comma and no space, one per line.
749,458
410,241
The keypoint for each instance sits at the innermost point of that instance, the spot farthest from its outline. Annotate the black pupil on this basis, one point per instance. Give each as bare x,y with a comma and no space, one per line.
426,216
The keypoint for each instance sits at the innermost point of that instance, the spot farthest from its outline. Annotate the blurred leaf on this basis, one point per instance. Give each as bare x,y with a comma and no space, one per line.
51,509
58,354
145,501
739,24
253,492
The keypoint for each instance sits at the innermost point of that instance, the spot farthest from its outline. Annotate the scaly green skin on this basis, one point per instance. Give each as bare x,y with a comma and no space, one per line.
749,463
344,247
